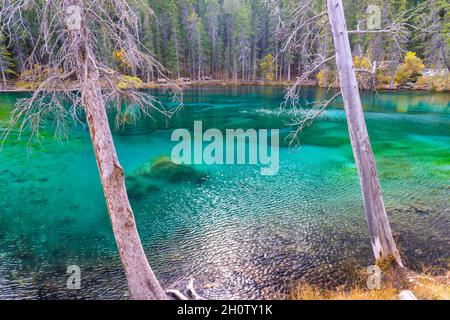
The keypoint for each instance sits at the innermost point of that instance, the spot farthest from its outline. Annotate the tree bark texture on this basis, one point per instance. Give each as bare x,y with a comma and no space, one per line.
383,243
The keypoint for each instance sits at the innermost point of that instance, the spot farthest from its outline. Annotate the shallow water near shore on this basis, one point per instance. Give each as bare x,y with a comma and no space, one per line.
238,233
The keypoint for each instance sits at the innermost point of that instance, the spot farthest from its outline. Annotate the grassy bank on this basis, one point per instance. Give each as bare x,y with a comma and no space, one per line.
423,286
21,87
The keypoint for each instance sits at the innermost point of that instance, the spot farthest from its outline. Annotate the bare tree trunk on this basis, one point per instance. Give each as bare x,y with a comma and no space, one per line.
289,72
141,280
325,54
4,79
243,69
444,57
383,243
254,63
200,57
19,54
177,54
281,69
213,57
394,71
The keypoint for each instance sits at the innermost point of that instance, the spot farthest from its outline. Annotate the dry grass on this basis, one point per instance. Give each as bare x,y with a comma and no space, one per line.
308,292
430,288
424,287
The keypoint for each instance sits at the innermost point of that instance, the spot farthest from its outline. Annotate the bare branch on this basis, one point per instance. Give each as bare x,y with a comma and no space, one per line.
52,62
191,293
308,119
292,93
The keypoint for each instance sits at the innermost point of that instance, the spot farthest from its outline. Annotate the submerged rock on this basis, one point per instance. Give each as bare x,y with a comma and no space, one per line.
163,168
145,179
138,187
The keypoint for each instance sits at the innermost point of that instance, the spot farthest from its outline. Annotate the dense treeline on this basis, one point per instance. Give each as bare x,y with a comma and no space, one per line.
228,39
244,39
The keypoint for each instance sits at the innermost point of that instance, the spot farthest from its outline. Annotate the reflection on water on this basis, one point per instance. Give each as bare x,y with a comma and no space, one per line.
239,234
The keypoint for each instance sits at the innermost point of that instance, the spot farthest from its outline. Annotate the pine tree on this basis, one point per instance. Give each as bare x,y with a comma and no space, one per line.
242,34
213,11
7,64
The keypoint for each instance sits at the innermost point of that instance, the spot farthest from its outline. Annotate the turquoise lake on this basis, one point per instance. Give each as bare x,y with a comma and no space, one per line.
238,233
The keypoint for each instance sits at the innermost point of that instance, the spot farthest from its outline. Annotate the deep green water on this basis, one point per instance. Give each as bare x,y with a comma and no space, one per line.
238,233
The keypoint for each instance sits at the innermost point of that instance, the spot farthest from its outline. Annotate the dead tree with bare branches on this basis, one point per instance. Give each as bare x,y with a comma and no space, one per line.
383,243
305,17
68,48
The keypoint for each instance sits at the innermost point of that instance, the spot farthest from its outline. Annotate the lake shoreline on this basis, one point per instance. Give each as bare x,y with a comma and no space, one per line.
225,83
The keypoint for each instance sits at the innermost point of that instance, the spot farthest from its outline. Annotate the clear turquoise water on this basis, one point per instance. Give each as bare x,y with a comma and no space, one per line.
239,234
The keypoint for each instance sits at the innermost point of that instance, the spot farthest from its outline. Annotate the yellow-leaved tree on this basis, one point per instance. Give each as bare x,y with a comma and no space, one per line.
121,57
410,69
267,67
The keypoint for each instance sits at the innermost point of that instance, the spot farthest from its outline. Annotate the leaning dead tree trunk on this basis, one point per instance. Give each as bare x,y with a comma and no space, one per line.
70,42
141,280
383,243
